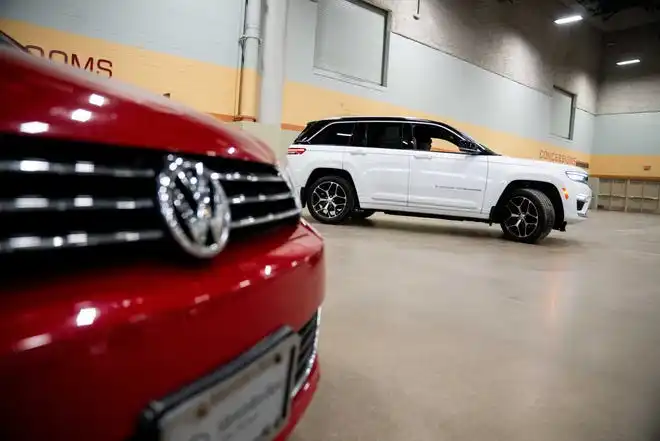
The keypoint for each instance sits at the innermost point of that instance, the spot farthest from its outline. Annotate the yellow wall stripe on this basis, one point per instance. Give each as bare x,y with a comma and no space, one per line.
626,166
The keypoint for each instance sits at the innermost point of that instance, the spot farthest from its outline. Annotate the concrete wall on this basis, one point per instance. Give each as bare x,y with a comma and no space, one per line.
505,104
516,40
628,123
633,88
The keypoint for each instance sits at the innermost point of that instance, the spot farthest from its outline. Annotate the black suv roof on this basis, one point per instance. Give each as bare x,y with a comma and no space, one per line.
377,118
320,123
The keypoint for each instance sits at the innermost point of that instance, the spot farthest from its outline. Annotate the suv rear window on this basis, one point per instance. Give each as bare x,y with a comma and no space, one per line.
309,131
333,134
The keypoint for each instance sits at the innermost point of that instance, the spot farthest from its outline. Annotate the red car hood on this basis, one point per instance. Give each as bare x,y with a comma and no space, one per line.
43,98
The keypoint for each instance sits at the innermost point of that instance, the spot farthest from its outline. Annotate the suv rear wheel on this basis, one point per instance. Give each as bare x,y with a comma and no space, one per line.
331,199
528,216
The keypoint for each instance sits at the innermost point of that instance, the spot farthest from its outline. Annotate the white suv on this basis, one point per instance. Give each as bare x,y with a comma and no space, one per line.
355,166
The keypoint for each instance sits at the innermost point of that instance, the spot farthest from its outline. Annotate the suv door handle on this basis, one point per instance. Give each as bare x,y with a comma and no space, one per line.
419,156
356,152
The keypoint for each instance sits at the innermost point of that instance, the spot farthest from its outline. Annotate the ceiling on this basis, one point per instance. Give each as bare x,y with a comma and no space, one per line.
609,8
613,15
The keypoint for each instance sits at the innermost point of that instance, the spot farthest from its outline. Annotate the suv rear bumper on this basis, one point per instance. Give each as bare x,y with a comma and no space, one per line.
155,329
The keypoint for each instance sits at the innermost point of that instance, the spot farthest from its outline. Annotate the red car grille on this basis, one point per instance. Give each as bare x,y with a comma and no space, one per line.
308,347
56,195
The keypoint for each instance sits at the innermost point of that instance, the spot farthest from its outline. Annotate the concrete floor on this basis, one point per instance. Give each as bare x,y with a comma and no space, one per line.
437,330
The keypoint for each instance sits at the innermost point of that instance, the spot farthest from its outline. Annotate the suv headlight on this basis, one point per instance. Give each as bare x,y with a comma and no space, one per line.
577,176
286,175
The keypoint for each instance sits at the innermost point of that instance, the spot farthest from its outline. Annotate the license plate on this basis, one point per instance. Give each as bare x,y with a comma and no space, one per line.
247,400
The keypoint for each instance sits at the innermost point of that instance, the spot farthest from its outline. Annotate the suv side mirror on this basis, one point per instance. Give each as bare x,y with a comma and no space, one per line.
469,147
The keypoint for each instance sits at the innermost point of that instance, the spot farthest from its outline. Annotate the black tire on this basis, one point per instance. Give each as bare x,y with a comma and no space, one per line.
359,214
325,214
519,226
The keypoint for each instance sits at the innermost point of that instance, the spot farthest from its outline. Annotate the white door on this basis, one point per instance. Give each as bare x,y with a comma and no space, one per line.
379,162
442,176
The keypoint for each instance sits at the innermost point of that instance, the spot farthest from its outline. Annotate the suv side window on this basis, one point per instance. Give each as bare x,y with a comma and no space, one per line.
334,134
385,135
359,138
432,138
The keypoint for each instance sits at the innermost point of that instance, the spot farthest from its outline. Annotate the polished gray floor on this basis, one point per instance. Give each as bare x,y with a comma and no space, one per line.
437,330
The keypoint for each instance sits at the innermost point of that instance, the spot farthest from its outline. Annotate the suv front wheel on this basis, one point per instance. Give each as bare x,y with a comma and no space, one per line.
528,216
331,199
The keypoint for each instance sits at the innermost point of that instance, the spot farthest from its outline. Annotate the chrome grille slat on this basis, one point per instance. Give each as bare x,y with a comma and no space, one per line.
248,177
309,336
242,199
78,168
80,239
34,203
272,217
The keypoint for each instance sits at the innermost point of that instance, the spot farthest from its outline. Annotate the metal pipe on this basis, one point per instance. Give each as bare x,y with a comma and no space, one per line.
250,43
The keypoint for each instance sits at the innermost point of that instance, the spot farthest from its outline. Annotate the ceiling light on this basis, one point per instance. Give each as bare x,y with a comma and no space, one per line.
626,62
569,19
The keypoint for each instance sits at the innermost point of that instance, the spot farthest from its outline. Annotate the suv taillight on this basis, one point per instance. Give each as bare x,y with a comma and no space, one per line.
296,150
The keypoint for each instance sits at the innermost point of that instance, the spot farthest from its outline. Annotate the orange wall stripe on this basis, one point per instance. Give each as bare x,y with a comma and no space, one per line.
223,117
624,177
244,118
296,127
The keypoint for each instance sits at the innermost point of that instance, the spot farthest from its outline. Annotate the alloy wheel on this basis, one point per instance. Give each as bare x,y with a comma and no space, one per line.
329,199
523,218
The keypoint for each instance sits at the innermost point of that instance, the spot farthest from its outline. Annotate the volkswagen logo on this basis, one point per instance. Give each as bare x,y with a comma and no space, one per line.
194,206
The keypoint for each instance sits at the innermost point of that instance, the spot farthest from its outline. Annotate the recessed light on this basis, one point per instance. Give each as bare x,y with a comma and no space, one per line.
569,19
626,62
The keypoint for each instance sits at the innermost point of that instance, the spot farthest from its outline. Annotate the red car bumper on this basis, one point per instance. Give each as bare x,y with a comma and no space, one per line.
300,402
81,357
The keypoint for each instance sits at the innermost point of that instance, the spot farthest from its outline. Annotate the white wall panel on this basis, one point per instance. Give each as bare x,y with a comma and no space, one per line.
351,39
205,30
628,134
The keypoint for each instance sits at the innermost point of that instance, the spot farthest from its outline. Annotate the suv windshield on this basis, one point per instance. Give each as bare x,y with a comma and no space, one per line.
471,139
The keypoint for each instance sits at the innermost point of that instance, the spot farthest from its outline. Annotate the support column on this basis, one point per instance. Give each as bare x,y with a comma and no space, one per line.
273,51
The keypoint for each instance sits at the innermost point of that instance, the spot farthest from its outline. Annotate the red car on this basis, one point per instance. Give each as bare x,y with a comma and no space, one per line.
156,279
